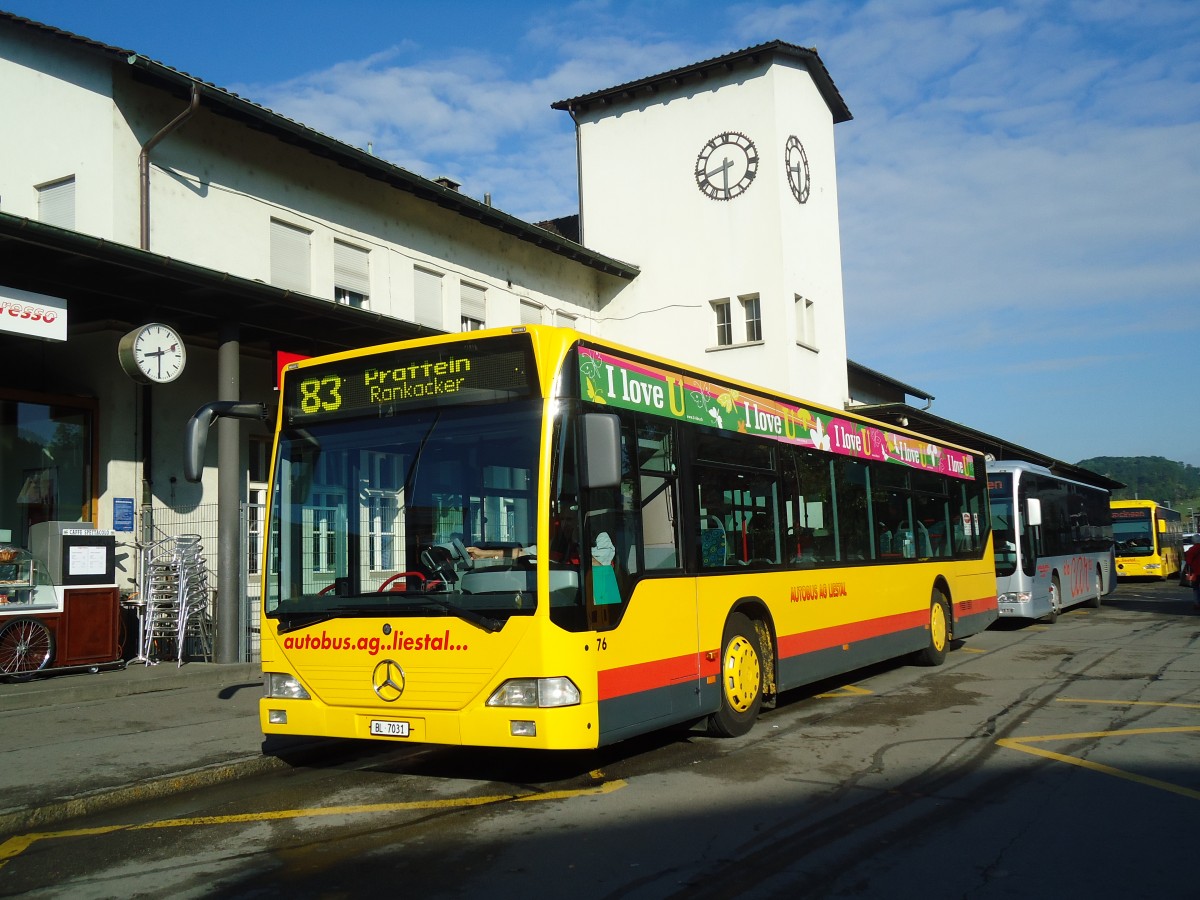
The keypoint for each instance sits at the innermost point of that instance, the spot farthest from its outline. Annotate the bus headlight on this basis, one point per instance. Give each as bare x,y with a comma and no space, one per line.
279,686
536,692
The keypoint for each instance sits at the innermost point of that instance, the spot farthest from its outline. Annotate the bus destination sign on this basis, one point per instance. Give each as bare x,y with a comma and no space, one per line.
623,383
382,384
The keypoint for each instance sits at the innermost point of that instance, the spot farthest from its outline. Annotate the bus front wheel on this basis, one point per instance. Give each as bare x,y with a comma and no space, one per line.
934,653
1055,602
741,679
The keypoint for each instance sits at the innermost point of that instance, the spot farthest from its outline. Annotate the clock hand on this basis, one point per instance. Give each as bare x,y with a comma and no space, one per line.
158,353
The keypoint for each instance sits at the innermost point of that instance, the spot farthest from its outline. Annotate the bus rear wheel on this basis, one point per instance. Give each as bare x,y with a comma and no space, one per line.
741,679
934,653
1094,602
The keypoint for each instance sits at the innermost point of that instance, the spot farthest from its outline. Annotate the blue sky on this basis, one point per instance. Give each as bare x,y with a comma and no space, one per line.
1019,188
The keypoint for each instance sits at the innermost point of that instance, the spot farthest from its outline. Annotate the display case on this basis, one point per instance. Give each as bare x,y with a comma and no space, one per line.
24,585
46,627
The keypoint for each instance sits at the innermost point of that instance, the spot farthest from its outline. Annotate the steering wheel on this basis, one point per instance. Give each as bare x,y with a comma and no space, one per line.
460,550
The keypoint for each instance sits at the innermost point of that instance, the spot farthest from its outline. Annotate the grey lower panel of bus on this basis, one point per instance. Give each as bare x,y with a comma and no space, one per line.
796,671
975,623
623,717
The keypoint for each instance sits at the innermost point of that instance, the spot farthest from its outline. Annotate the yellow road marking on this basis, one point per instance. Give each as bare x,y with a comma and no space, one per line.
1023,745
971,650
17,845
847,690
1128,702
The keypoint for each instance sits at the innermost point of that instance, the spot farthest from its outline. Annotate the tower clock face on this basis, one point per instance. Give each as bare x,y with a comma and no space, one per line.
726,165
796,162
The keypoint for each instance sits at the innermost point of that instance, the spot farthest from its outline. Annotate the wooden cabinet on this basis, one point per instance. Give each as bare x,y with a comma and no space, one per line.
89,629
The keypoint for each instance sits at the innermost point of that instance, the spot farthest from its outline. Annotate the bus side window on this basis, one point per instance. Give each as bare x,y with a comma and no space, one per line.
853,525
657,497
807,509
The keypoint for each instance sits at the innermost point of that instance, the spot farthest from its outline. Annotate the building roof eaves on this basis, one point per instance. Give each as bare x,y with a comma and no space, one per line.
89,271
888,380
699,71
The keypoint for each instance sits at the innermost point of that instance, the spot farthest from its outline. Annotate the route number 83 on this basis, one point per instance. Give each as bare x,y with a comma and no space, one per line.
320,394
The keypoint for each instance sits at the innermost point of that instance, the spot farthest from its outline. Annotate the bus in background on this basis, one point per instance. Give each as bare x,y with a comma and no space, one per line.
1053,540
1149,539
528,537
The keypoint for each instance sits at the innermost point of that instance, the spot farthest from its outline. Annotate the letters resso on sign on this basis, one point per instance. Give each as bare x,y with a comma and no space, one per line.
25,311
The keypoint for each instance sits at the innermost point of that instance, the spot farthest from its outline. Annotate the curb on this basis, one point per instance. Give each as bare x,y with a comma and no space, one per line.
19,821
23,820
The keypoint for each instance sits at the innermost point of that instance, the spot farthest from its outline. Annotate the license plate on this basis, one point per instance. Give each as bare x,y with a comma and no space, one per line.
389,729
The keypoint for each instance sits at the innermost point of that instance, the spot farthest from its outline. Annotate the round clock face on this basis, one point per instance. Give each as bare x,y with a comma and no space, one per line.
726,166
796,162
153,354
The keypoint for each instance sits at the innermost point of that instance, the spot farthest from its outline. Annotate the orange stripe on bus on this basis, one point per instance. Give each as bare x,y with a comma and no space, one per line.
649,675
661,673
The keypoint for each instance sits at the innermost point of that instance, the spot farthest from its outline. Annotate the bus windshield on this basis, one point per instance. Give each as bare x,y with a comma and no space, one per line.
1003,528
1133,532
372,516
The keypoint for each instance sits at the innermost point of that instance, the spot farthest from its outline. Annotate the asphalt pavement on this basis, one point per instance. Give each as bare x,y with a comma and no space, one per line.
79,743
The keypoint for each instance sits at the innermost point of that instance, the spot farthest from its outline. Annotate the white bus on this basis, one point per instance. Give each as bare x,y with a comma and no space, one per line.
1053,539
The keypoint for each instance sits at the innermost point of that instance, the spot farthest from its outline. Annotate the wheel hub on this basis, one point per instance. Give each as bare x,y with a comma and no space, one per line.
742,674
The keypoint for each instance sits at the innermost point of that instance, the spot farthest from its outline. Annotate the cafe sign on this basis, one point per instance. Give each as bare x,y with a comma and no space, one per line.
32,315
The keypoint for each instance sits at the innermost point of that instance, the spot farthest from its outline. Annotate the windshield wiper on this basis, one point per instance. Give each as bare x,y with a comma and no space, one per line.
487,623
295,621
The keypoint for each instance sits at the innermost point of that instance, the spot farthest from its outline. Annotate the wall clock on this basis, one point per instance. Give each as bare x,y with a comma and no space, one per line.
726,166
152,354
795,160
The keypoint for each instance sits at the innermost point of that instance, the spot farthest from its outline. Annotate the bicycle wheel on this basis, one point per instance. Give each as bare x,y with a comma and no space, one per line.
26,646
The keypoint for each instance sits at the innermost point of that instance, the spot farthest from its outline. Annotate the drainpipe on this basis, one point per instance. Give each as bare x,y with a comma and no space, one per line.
144,204
144,162
578,173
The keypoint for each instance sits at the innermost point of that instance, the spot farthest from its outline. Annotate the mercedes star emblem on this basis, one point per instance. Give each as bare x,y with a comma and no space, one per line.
388,680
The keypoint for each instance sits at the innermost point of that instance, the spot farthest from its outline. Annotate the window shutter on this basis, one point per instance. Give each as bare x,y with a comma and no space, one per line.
472,298
531,313
56,203
350,269
427,299
289,256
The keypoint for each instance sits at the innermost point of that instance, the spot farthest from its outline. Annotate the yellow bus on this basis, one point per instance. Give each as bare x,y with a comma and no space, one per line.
1149,539
528,537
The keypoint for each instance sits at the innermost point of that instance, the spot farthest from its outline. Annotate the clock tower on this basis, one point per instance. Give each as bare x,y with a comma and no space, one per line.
718,181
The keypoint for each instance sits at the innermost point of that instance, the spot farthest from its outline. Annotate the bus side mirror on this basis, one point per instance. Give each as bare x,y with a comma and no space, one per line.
196,436
601,450
1033,513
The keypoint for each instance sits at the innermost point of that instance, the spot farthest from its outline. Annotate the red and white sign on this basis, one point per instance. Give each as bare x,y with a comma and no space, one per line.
33,315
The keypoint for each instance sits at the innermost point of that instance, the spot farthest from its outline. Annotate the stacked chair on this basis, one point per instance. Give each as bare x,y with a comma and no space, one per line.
176,614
